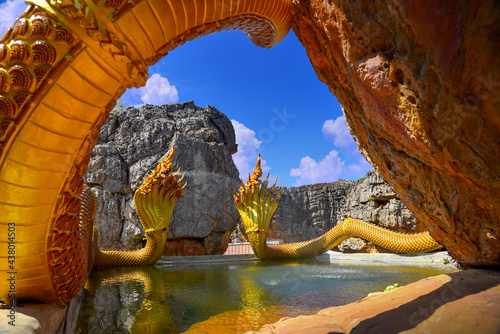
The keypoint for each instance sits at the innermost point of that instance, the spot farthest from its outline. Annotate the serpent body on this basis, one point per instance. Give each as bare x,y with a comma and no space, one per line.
256,204
63,65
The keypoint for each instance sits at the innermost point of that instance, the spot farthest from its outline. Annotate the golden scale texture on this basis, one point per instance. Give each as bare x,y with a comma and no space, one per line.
256,204
63,64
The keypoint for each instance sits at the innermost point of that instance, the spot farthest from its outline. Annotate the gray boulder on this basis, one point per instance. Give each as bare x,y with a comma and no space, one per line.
373,200
132,143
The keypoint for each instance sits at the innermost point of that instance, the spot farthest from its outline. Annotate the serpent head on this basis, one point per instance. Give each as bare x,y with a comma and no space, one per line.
256,204
156,197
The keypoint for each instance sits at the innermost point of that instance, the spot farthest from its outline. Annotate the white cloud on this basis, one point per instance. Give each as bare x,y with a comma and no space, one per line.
9,12
158,91
325,170
338,133
248,144
245,138
361,167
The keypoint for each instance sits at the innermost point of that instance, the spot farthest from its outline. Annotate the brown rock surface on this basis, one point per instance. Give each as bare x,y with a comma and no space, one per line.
419,83
215,243
462,302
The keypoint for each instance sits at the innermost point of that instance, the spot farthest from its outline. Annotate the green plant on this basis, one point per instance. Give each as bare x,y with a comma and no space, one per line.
392,287
448,260
387,288
372,199
119,107
361,180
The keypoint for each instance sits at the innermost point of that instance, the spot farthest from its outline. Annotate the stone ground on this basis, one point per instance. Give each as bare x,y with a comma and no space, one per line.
41,318
462,302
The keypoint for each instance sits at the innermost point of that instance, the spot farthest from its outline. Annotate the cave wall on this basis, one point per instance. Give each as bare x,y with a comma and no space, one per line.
419,84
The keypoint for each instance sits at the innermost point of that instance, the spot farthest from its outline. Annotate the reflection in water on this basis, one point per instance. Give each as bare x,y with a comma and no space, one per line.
253,302
219,298
106,316
251,295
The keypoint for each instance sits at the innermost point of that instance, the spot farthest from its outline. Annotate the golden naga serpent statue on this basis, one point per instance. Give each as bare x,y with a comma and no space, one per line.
257,203
154,202
63,65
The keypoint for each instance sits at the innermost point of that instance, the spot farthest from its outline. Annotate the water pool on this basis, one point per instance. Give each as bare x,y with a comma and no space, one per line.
225,298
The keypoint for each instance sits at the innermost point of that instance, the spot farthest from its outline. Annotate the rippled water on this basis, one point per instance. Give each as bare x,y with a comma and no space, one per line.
225,298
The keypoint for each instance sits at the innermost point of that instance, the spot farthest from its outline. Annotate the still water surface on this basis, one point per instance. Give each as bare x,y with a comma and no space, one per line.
225,298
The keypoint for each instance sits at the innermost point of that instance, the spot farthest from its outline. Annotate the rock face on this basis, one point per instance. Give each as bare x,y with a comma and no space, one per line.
133,141
372,200
309,211
419,83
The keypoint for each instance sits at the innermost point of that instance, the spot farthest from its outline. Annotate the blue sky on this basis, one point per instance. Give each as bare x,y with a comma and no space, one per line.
274,99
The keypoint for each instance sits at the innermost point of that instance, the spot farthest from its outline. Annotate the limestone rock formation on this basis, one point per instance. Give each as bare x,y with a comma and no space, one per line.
131,144
419,83
309,211
373,200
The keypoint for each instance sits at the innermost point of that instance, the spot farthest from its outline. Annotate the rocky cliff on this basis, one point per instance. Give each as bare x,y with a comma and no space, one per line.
133,141
309,211
419,83
306,212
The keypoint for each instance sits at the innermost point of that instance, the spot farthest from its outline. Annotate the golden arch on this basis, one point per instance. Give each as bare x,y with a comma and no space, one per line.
62,66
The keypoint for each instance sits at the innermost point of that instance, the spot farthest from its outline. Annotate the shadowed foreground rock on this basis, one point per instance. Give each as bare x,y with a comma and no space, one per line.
463,302
419,83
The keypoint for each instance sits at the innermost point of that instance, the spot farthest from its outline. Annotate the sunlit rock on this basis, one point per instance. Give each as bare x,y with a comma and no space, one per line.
419,83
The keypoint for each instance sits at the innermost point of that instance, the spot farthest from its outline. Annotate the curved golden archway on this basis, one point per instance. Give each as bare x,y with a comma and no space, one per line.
62,67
